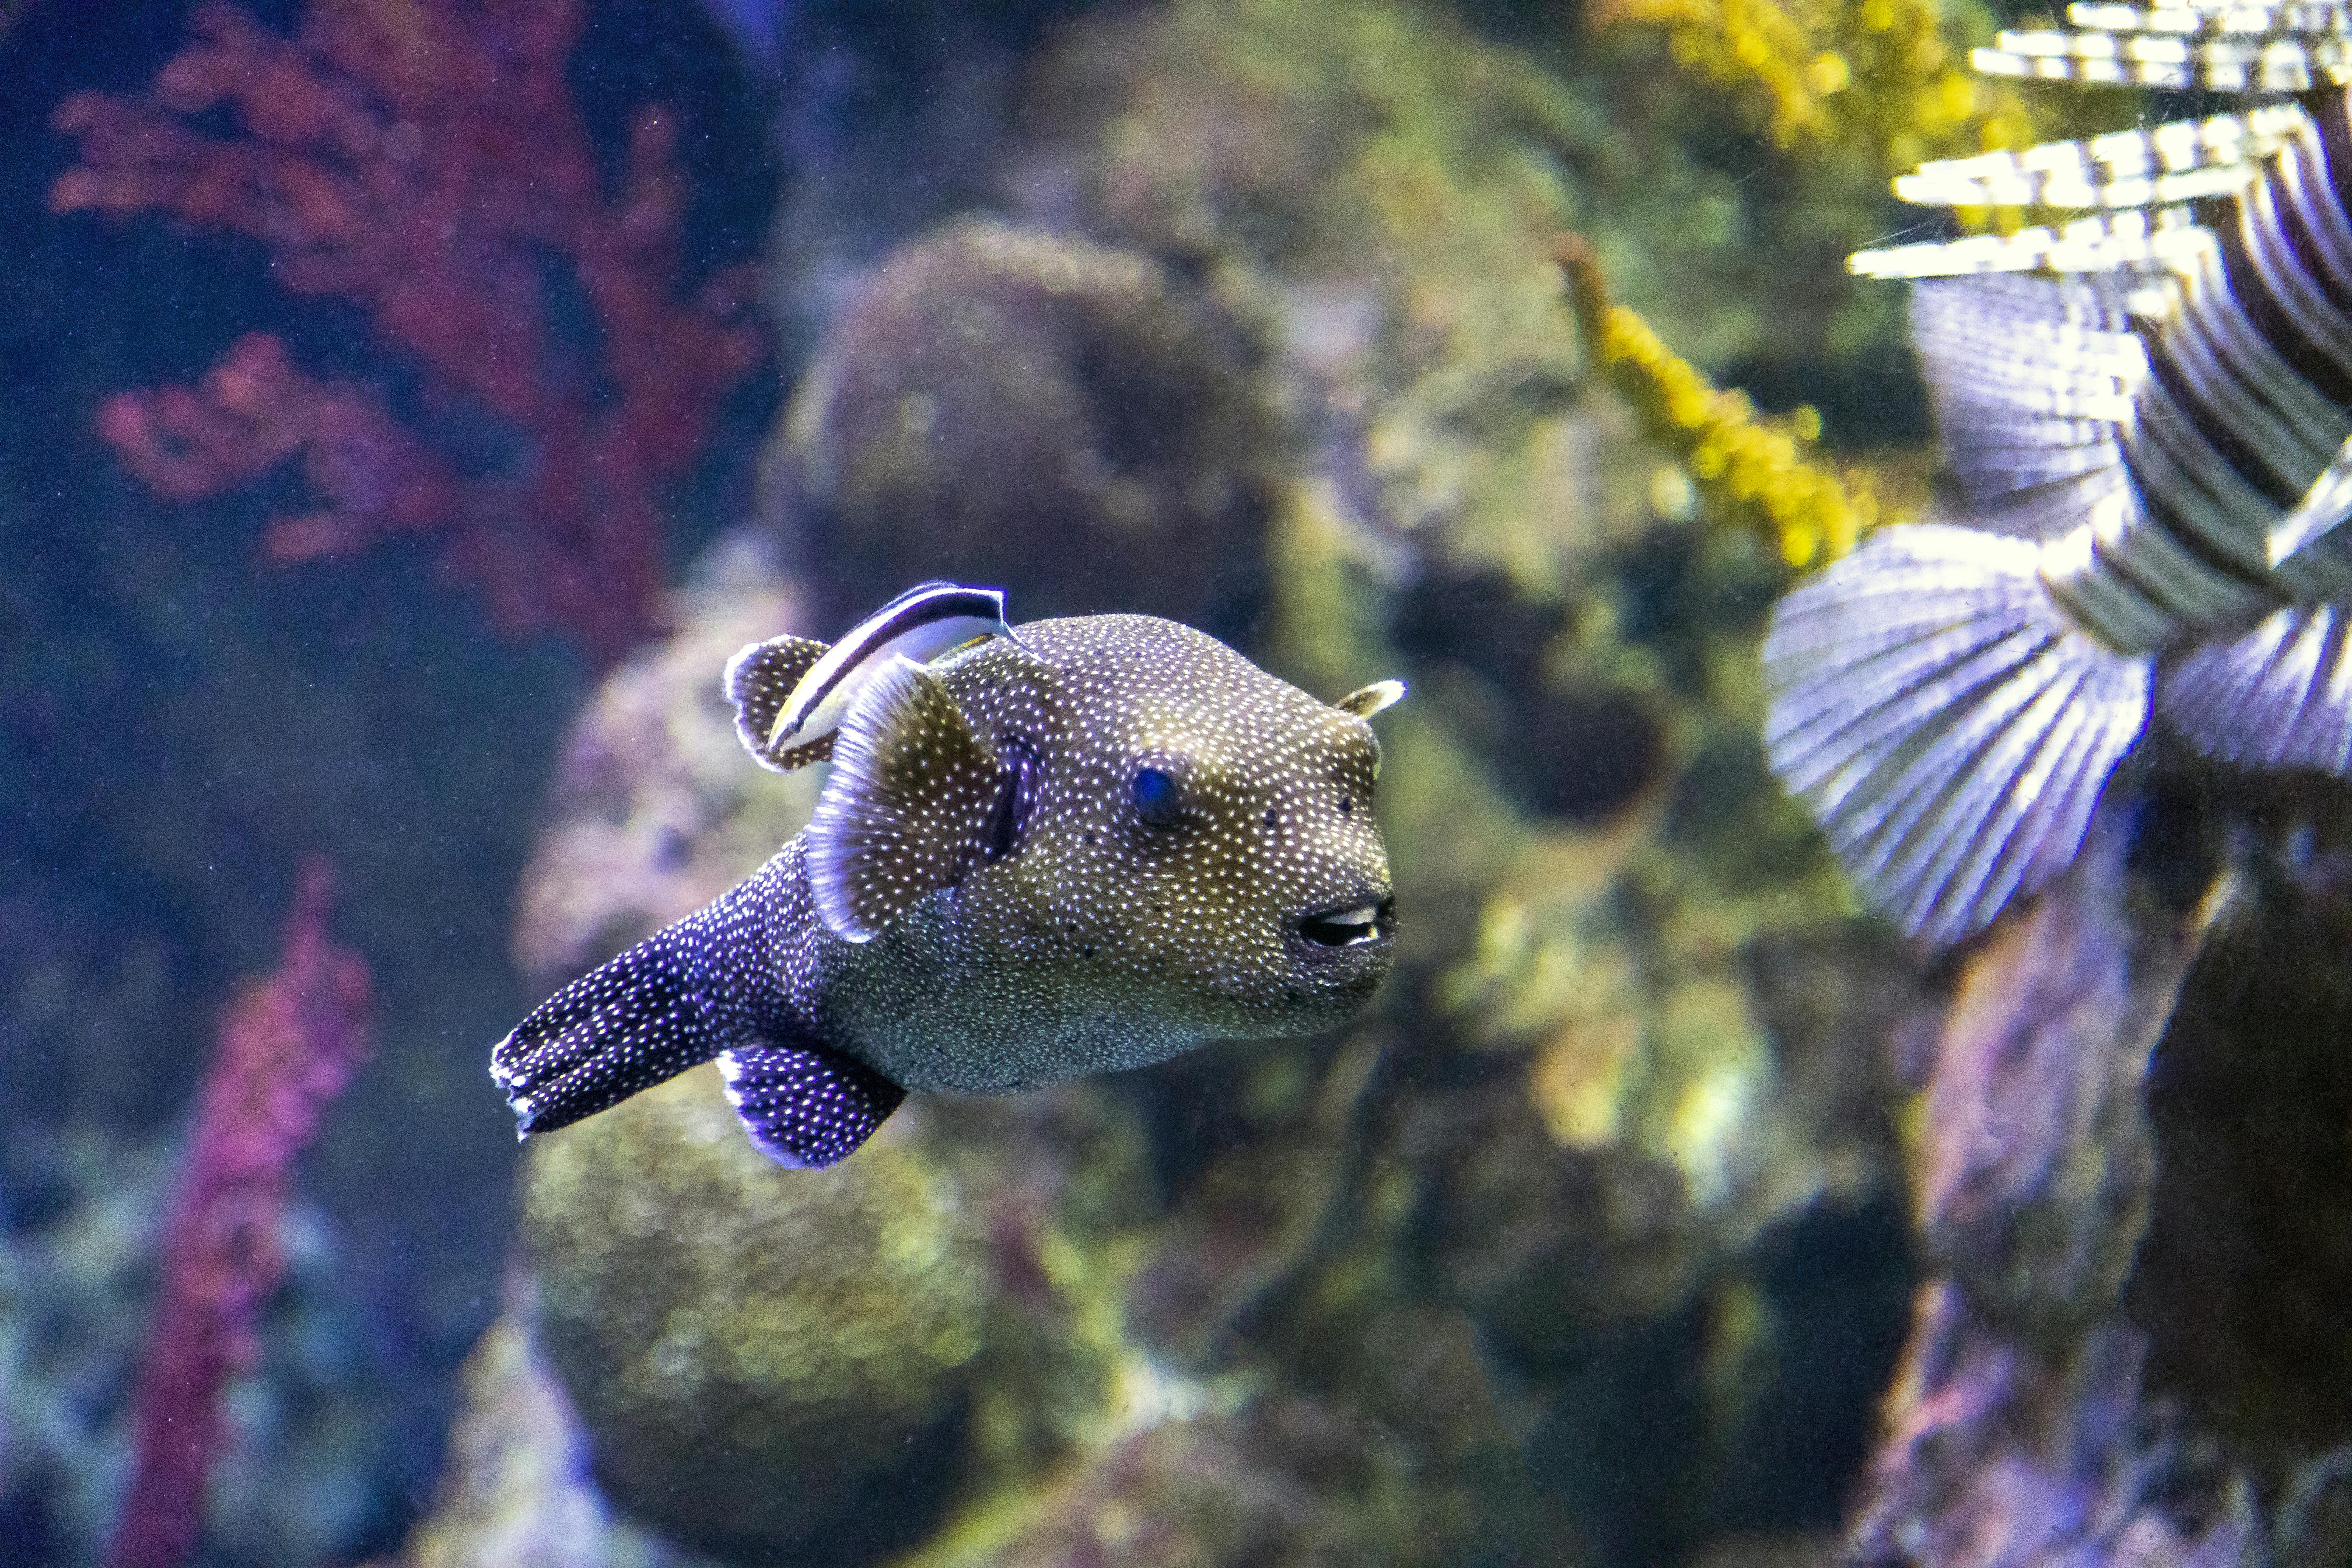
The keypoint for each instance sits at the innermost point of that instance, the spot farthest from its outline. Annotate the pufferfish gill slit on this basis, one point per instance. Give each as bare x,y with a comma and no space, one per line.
1086,846
2145,413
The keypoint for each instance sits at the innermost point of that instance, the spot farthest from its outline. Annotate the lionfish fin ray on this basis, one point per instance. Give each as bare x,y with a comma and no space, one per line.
1946,725
2032,380
2278,697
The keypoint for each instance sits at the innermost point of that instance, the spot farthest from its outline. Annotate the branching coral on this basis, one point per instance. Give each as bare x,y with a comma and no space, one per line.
1873,76
427,161
1755,471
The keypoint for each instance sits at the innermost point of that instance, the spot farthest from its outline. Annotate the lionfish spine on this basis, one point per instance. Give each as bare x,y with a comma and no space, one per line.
2146,413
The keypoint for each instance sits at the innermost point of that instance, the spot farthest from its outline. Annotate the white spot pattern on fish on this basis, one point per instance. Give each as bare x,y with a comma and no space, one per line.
1087,849
2147,414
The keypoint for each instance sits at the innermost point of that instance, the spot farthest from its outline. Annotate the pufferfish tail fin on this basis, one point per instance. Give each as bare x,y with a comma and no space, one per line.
1949,728
705,986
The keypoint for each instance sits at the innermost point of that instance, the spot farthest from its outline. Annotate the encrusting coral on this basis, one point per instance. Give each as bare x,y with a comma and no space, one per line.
722,1322
1011,404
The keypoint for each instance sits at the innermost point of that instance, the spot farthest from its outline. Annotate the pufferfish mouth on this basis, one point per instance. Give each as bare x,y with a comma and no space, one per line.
1351,926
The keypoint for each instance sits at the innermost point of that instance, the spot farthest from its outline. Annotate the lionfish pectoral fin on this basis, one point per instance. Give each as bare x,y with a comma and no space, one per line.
2032,380
760,681
1946,725
2322,509
805,1106
907,810
2278,697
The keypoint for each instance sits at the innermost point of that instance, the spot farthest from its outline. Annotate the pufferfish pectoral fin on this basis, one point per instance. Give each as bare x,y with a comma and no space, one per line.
803,1105
760,681
1945,723
910,808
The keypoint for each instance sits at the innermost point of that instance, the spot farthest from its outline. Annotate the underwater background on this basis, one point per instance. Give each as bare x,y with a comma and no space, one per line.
410,406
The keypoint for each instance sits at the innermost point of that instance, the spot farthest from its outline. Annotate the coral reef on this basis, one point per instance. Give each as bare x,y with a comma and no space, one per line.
285,1048
1877,78
1749,471
517,1488
1589,1245
1630,1126
652,812
420,161
2131,1208
722,1322
1006,405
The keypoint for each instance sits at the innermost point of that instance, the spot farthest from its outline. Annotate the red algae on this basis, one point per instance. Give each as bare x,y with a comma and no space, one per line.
287,1045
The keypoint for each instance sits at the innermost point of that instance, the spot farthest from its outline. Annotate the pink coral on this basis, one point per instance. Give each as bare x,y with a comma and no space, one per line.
424,159
287,1045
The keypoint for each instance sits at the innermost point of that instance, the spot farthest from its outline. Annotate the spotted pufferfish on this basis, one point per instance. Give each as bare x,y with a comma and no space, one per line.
2145,417
1077,847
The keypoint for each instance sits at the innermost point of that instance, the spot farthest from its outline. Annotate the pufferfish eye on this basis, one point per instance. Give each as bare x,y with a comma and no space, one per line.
1158,799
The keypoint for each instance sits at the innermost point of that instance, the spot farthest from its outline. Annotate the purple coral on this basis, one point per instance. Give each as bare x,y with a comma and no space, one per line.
288,1043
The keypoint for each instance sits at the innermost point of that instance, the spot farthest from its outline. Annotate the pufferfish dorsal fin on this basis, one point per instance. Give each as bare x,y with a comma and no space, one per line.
759,680
908,808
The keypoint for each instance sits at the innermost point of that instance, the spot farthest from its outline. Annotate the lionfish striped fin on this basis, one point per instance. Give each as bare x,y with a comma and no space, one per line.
1948,726
2279,697
2226,16
2033,380
2127,241
2323,509
2211,60
2178,161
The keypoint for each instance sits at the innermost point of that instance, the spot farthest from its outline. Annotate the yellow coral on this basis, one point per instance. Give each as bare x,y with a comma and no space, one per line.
1873,76
1753,470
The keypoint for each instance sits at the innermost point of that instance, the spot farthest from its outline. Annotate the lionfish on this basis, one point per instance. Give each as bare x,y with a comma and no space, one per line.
2145,417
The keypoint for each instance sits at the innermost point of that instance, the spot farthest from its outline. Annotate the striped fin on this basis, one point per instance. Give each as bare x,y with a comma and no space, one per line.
2208,61
2130,239
2033,380
2278,697
1949,728
2220,17
2323,509
2178,161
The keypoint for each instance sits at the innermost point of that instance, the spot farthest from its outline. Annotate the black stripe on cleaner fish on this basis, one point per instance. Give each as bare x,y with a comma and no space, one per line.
1087,847
2145,417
